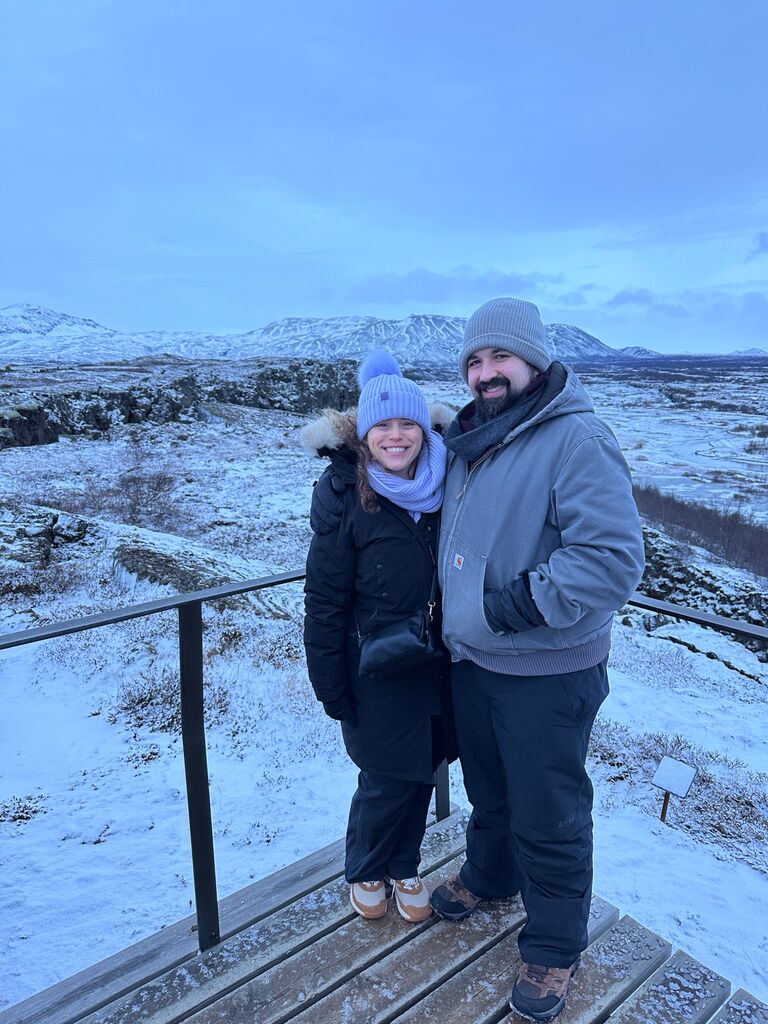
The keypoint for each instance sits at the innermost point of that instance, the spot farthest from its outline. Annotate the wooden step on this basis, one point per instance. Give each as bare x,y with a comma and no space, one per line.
480,992
612,967
399,978
348,958
742,1008
681,990
97,985
91,994
296,951
198,982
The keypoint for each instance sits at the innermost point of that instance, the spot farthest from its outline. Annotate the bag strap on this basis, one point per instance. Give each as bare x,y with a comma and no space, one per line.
433,589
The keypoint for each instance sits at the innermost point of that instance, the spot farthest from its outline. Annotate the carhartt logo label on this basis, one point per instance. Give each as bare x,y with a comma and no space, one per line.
458,561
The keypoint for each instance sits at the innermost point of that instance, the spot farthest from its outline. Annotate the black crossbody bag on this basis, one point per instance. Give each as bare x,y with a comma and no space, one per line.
409,641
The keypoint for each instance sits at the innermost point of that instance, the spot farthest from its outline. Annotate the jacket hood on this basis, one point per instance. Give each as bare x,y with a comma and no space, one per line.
332,430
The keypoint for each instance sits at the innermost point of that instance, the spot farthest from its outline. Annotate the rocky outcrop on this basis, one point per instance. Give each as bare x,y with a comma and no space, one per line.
25,424
28,536
187,571
297,385
83,412
45,417
675,573
31,414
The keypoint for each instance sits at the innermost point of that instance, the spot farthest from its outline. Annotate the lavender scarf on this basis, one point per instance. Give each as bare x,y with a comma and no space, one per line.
425,492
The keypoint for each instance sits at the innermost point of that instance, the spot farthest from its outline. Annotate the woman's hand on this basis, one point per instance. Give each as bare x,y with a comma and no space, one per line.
340,710
328,501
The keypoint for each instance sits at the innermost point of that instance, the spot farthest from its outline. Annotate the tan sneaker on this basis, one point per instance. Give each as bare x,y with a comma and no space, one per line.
540,992
369,899
412,899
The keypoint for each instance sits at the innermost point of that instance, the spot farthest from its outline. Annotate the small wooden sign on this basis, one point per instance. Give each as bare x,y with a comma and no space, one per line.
673,777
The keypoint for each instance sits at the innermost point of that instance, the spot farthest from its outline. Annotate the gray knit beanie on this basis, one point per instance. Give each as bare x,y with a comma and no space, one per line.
513,324
385,394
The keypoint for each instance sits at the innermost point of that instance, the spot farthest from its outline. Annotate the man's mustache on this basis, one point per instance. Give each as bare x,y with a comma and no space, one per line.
495,382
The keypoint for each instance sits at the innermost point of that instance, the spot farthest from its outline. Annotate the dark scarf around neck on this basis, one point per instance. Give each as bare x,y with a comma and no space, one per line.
470,439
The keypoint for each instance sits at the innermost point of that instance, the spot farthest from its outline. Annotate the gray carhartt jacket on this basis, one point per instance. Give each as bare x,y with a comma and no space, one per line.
553,499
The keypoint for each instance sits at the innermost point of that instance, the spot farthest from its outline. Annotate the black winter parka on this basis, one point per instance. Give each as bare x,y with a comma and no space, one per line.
367,570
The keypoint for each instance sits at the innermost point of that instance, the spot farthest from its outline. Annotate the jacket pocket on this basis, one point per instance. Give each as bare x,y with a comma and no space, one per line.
464,618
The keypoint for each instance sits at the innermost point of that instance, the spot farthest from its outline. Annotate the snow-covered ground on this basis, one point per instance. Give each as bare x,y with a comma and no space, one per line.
93,834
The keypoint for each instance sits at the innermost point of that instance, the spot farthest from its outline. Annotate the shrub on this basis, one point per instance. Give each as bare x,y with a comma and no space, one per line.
153,700
733,534
20,809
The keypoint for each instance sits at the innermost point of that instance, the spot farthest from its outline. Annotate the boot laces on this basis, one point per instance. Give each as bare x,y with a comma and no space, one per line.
538,972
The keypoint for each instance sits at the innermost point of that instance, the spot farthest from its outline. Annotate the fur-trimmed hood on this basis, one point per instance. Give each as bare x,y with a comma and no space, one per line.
333,430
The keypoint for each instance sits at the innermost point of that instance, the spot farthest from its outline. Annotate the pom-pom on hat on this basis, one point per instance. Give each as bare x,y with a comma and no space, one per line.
385,394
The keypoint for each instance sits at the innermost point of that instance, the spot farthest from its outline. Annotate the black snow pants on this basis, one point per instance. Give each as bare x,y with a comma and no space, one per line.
523,745
387,821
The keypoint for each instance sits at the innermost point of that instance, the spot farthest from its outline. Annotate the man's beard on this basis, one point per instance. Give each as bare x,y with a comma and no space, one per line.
487,409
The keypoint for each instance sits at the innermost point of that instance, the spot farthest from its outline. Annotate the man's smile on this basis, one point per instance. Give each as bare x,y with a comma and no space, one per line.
495,386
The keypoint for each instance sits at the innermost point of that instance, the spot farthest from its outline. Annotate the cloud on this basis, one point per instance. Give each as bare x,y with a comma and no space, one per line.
646,299
631,297
462,284
670,309
759,247
577,297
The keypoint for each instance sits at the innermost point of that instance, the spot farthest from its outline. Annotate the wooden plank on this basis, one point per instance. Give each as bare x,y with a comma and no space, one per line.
393,984
681,990
283,991
611,969
85,991
183,990
480,992
101,984
742,1008
602,916
310,974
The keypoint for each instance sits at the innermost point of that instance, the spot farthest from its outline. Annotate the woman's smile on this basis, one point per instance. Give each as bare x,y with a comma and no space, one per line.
395,444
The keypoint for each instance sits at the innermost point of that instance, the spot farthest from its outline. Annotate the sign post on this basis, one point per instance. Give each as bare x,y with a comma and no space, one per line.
673,777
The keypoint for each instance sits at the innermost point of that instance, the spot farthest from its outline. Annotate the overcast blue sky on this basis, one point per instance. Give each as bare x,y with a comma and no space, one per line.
217,166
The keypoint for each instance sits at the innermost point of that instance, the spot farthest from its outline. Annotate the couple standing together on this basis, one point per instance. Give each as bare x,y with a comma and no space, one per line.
539,543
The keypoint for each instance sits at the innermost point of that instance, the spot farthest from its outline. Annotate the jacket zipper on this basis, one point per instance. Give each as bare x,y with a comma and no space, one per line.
482,458
460,495
430,601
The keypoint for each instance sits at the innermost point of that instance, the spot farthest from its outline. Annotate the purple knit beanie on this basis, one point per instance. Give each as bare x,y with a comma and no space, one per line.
385,394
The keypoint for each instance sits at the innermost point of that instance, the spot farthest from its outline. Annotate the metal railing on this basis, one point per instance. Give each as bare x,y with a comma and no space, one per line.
190,612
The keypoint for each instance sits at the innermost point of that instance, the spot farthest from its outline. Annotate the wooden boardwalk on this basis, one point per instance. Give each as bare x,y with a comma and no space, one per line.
294,950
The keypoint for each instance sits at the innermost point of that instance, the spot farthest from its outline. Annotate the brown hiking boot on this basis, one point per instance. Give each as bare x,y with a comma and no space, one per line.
540,992
453,900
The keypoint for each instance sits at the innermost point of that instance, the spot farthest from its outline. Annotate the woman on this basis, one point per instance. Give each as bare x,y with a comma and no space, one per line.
371,564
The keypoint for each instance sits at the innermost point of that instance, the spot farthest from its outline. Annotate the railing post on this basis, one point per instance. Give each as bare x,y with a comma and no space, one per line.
196,771
442,791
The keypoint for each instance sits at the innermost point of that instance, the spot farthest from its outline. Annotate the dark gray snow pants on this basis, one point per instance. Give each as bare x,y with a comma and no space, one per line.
523,746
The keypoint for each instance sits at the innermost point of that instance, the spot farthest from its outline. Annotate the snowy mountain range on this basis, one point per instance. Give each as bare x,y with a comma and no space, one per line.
36,334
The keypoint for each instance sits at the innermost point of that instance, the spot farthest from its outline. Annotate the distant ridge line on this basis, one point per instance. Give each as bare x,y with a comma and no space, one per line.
36,333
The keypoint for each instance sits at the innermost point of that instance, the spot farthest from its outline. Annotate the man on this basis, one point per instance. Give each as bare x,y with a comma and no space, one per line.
540,544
